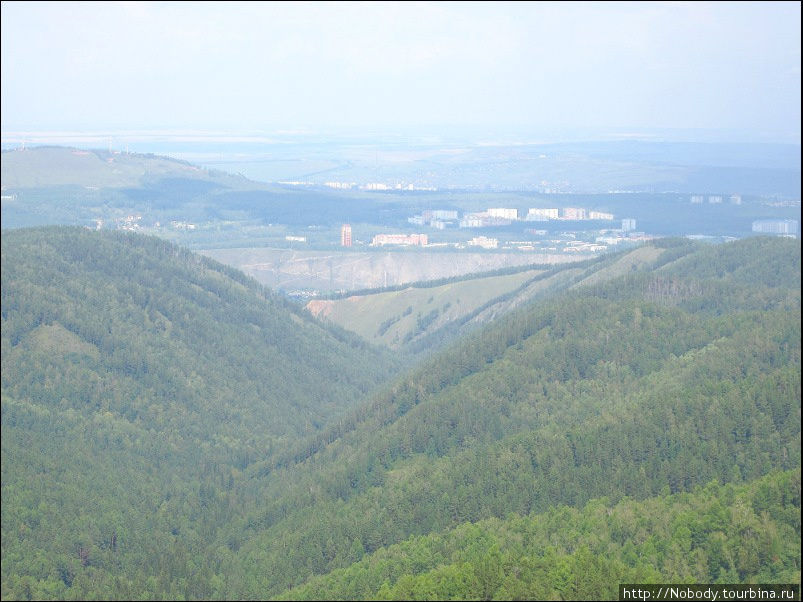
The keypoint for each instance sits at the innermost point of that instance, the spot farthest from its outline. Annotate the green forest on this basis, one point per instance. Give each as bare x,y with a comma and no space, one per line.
173,430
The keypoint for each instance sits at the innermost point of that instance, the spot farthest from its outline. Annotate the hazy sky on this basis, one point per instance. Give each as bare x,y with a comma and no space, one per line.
250,66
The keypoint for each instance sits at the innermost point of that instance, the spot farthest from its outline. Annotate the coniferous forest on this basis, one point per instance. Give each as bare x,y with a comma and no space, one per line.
173,430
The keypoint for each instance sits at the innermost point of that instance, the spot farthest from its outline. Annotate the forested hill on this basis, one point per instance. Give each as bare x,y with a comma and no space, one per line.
138,379
187,339
646,385
161,440
719,532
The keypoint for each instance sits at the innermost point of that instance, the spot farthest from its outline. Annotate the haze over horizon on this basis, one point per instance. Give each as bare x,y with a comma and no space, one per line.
719,71
400,300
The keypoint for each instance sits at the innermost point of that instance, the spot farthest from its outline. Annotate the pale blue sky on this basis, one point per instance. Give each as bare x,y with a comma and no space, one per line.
255,66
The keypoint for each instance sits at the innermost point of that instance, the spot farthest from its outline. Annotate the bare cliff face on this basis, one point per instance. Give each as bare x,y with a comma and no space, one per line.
335,270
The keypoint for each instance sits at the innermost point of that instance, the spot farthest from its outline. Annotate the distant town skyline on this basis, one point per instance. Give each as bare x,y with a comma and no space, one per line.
730,66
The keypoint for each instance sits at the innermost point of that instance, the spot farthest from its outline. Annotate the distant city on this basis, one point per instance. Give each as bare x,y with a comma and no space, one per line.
501,216
380,227
593,241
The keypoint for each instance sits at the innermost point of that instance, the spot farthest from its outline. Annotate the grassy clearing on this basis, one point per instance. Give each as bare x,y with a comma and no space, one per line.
397,317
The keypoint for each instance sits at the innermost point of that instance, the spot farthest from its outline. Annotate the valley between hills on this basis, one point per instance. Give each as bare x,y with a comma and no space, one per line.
174,430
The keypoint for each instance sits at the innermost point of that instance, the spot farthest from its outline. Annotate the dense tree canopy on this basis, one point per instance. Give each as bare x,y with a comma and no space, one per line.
172,430
138,380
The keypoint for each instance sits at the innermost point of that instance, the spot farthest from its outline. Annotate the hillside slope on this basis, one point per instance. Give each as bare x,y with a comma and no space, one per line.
399,317
431,314
53,166
651,383
717,534
173,431
138,380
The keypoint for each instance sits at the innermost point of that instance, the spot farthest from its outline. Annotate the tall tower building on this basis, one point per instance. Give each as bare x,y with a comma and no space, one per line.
345,235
